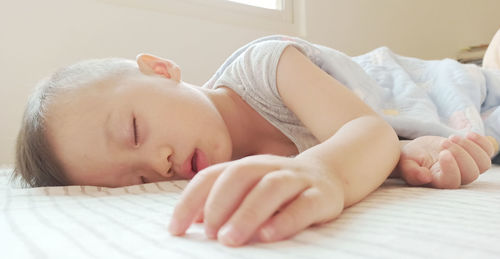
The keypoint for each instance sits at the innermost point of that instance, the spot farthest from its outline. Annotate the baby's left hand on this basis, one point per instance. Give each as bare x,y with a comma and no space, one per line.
271,196
445,162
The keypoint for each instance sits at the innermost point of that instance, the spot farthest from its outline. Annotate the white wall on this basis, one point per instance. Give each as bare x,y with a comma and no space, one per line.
427,29
36,37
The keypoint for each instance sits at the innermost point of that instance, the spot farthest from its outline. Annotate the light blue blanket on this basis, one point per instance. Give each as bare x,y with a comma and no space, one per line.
419,97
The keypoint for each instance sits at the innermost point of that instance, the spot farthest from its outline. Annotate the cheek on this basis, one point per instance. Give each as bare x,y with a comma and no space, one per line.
223,149
211,128
218,138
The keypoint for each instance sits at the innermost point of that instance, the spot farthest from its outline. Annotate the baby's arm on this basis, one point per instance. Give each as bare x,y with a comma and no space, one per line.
491,58
352,134
275,197
444,162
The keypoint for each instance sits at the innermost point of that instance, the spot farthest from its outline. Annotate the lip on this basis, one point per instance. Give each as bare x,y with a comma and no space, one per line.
187,171
201,160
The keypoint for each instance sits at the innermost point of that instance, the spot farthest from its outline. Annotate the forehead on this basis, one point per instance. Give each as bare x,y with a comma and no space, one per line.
75,106
75,131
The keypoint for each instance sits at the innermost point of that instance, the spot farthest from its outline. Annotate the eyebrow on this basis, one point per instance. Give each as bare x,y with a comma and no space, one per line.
107,129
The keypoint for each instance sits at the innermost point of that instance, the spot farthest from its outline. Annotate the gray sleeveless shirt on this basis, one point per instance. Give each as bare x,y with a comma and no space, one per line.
251,73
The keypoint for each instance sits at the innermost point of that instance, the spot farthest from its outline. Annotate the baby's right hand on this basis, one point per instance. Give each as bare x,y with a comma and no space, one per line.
446,162
266,196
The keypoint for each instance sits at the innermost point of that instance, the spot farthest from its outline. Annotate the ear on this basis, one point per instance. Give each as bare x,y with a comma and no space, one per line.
152,65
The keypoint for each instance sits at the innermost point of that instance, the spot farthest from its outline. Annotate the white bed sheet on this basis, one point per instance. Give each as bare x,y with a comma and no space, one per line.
395,221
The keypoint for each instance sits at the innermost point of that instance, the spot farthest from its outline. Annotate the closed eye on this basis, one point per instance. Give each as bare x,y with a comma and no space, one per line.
136,135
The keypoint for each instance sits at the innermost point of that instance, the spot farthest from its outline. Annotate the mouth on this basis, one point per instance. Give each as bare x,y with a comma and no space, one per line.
199,161
194,165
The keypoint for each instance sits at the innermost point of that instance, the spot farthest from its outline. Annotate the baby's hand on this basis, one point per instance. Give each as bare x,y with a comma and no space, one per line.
445,162
272,197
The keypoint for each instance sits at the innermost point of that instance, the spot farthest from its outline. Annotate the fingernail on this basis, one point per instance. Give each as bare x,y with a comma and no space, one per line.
494,142
174,228
228,235
473,135
211,233
454,138
267,233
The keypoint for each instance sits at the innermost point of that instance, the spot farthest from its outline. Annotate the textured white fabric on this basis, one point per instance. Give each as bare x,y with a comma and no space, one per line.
131,222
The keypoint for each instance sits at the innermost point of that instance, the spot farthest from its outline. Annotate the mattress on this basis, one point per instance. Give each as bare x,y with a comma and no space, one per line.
395,221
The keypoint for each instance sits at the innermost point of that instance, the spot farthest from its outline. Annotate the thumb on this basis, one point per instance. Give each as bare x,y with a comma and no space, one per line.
413,173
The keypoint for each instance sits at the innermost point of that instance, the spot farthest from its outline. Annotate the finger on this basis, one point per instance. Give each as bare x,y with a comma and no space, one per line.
298,215
273,191
493,143
483,142
468,168
228,192
413,173
193,198
480,156
446,173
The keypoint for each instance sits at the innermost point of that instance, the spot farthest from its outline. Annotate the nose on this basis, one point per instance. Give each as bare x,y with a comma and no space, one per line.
162,163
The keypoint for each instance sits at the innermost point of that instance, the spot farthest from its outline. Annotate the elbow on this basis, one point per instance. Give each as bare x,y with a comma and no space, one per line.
386,143
391,144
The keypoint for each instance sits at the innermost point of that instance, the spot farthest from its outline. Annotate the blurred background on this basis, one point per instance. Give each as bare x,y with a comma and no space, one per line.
37,37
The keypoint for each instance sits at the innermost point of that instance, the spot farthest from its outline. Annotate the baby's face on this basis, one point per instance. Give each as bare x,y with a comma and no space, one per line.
138,129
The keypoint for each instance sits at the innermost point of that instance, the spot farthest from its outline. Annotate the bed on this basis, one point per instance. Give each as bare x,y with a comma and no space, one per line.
395,221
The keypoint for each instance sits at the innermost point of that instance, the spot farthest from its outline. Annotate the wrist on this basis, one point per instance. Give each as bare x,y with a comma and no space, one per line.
396,173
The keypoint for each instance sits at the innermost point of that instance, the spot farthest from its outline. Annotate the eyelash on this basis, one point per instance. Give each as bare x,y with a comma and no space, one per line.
135,132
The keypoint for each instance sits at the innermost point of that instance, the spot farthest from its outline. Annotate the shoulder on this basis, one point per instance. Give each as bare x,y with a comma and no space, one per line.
255,54
321,102
268,50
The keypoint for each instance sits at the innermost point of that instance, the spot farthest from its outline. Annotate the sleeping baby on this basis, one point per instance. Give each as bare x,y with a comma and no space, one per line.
284,135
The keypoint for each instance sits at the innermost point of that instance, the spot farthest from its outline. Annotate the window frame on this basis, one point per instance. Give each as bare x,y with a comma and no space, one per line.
287,20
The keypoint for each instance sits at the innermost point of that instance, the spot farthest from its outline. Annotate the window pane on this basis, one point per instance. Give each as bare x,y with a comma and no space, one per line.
268,4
